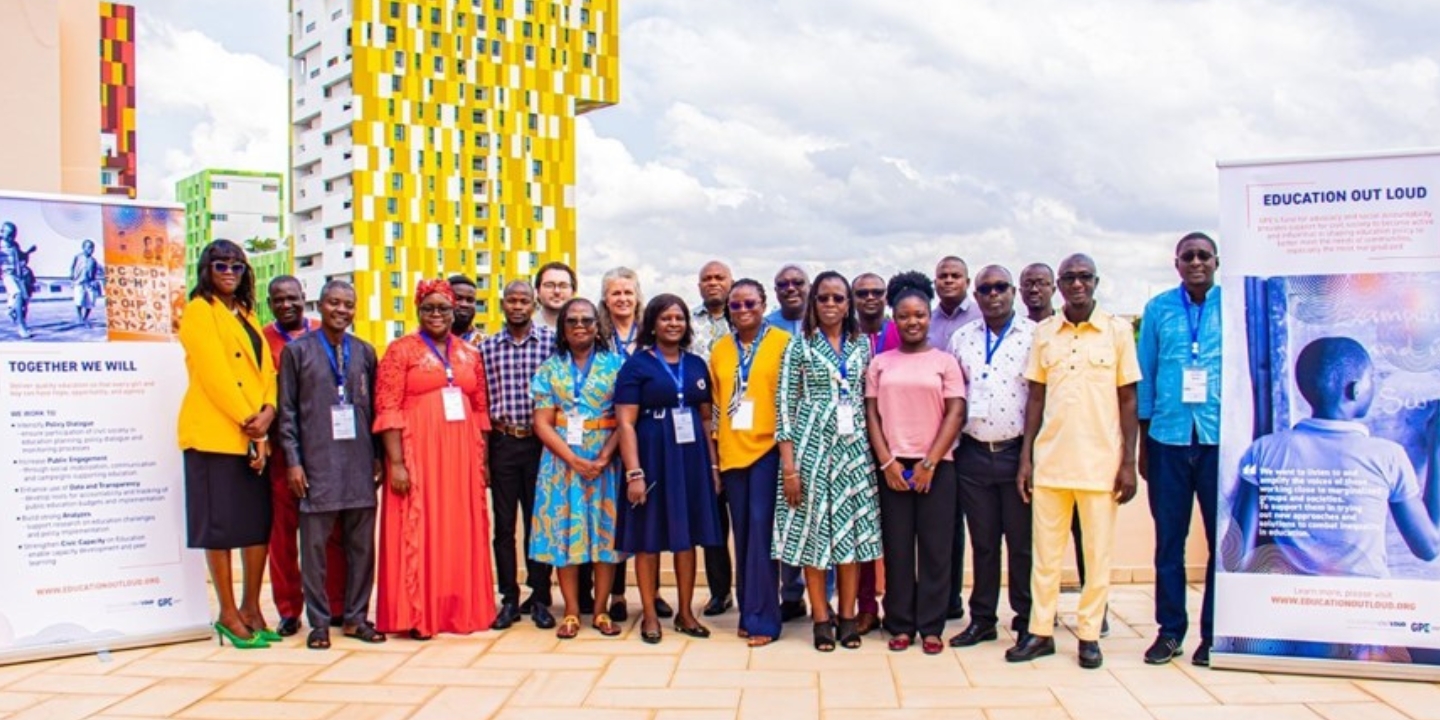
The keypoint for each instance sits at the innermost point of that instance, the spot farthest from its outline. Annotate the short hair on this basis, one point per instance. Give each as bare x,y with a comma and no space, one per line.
222,249
849,326
562,346
279,280
607,325
1197,235
953,258
1038,266
520,284
997,268
865,276
787,267
743,283
653,309
336,284
562,267
907,284
1326,366
461,280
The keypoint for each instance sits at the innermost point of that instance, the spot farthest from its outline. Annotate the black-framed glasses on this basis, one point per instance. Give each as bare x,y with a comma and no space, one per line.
437,309
227,268
998,288
584,321
738,305
1193,255
869,293
789,284
830,299
1072,278
552,285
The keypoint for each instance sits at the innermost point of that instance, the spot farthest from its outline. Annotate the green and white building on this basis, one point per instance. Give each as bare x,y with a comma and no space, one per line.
242,206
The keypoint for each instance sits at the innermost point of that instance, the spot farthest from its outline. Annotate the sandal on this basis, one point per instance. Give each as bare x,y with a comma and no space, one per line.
604,625
900,643
418,636
849,633
569,628
695,631
755,641
319,639
366,633
825,636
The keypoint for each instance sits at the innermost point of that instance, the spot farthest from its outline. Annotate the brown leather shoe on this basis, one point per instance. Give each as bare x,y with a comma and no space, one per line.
867,622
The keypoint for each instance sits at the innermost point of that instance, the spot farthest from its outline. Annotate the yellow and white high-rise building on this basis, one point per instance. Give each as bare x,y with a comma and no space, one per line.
432,137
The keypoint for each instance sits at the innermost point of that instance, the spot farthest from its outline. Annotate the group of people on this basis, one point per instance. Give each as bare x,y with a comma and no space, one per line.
87,278
850,434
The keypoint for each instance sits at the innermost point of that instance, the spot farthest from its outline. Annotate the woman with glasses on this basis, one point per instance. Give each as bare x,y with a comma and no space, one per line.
827,513
662,400
575,493
432,413
228,407
914,405
745,372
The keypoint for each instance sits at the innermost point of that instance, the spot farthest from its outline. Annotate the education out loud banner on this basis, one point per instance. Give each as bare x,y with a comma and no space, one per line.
1329,507
92,541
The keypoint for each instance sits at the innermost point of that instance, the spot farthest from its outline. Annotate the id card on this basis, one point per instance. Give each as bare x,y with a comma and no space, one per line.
1193,385
978,407
845,418
342,422
454,404
574,429
684,426
744,418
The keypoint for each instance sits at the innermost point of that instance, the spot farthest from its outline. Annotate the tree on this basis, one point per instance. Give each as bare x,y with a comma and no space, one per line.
258,244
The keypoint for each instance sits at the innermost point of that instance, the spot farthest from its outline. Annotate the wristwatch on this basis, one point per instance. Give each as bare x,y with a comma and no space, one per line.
927,465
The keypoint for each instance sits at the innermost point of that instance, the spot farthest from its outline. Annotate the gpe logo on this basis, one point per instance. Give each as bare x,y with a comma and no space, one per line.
169,601
1419,627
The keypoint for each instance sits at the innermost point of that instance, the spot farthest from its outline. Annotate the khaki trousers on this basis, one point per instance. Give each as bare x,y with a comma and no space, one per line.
1052,508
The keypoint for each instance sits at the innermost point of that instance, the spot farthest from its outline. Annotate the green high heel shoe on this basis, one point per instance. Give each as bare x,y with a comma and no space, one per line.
266,634
255,642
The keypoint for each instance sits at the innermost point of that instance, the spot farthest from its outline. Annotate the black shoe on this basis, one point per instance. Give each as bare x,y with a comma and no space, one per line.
663,608
1162,651
718,605
287,626
1201,658
974,635
542,617
619,612
528,605
1033,646
1105,624
509,613
792,610
955,612
1090,657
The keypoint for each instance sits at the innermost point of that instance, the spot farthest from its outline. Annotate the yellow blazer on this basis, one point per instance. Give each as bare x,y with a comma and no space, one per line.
228,383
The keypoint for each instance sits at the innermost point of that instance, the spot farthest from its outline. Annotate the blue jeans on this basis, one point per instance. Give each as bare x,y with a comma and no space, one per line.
1177,475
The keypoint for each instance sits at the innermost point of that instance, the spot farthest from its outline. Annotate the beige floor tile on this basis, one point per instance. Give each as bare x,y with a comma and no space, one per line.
258,710
1234,712
717,656
101,664
539,661
555,689
742,679
360,668
1165,685
11,673
269,682
459,677
192,669
772,703
199,650
1357,711
164,698
574,714
1043,676
856,689
524,640
67,707
984,698
671,645
806,658
1420,701
11,700
907,714
1100,704
657,698
1029,713
919,670
82,684
697,714
375,712
300,655
1288,693
639,672
448,655
358,693
1209,677
452,703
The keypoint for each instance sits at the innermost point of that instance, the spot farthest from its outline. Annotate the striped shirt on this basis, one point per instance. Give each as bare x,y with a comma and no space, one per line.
509,368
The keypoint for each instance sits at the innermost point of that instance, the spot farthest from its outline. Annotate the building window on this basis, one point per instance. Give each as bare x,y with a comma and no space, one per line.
270,188
398,305
435,16
397,182
399,132
389,255
269,219
535,167
219,217
389,33
395,10
529,53
392,206
394,85
394,281
218,185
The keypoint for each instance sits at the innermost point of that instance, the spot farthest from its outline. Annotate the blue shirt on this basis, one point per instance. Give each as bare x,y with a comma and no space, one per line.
775,319
1165,353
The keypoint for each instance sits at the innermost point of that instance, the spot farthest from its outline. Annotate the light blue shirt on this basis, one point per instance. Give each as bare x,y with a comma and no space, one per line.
775,319
1165,352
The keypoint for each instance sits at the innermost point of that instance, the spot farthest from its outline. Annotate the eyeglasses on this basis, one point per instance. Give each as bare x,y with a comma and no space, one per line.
830,299
738,305
999,288
227,268
555,286
580,322
1193,255
436,309
869,293
789,284
1035,283
1072,278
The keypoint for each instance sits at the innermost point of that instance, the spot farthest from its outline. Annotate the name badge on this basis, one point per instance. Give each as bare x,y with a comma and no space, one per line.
978,407
845,418
454,404
684,426
744,418
1194,383
342,422
574,429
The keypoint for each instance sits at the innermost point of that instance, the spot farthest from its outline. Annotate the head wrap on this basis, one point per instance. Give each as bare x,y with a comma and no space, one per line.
432,287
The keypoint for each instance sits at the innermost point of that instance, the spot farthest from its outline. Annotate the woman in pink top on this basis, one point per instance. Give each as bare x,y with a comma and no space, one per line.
914,406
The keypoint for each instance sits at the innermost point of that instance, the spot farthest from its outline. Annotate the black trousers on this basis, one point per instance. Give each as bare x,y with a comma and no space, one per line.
719,570
514,465
995,512
918,534
357,537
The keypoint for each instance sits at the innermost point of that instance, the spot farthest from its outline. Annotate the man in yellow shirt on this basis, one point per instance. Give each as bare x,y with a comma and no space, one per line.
1078,454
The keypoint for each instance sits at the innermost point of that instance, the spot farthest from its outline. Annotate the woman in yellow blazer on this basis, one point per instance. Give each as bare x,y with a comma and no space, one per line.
227,410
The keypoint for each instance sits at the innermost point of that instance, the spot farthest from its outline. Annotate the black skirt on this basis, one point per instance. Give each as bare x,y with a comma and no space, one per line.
227,505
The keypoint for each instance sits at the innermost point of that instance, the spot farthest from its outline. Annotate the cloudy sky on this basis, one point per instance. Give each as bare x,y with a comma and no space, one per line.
879,135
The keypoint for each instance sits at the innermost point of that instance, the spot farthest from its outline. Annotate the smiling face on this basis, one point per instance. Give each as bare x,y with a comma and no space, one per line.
464,306
994,293
578,324
1077,281
869,297
714,284
1196,262
912,319
747,309
555,289
790,288
287,303
226,272
620,299
435,311
337,308
832,304
670,326
1038,285
952,281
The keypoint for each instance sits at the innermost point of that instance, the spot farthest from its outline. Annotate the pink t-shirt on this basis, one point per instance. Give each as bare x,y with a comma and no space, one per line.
910,390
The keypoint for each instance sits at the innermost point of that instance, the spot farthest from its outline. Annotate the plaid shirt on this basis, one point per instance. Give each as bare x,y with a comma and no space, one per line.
509,367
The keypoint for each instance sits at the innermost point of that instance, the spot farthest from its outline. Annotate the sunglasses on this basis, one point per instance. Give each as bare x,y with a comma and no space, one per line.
436,309
830,299
869,293
1071,278
227,268
788,284
1193,255
738,305
999,288
580,322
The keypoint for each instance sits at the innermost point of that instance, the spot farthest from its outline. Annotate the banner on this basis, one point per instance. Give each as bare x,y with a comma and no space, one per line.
1329,508
92,543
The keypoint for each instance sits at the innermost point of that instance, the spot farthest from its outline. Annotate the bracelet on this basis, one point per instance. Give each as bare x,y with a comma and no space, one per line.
636,474
887,463
635,479
714,467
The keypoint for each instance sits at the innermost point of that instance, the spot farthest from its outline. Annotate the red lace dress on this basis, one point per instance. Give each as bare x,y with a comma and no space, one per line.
435,574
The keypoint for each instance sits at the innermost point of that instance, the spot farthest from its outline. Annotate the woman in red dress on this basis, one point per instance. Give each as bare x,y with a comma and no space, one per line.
432,412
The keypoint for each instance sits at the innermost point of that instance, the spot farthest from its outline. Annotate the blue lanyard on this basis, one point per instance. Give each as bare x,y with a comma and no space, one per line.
844,370
747,360
878,339
578,377
338,368
678,375
1193,324
990,349
286,335
623,347
445,359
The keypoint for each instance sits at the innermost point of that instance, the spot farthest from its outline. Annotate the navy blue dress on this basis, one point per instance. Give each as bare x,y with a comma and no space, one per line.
681,510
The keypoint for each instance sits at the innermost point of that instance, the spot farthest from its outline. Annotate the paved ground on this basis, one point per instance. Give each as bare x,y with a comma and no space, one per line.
54,321
527,673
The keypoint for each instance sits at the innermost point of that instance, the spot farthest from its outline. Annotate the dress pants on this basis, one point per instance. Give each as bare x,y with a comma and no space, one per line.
750,493
286,585
719,571
514,466
1177,474
356,528
1052,509
957,557
995,510
916,529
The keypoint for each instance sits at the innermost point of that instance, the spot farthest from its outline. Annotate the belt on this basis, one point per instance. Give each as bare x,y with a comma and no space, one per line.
601,424
513,430
995,447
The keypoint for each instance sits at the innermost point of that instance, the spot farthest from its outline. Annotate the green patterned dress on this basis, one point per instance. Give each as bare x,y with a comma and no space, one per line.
838,519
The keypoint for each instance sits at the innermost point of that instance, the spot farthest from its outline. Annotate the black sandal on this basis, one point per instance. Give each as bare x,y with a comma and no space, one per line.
696,631
850,633
366,633
825,636
319,639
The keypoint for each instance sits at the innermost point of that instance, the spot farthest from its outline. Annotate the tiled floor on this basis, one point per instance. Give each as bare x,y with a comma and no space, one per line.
527,673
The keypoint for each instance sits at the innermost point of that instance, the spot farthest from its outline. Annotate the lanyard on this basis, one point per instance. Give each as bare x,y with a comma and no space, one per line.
578,377
844,370
305,328
746,360
1193,324
877,341
990,348
624,346
338,368
678,375
445,359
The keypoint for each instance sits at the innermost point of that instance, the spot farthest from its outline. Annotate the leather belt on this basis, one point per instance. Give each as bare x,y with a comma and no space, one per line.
997,446
513,430
602,424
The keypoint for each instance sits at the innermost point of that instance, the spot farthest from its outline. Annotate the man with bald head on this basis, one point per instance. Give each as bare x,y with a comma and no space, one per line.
791,287
708,324
511,357
1078,453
